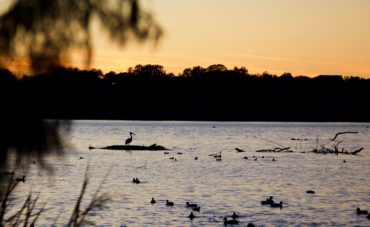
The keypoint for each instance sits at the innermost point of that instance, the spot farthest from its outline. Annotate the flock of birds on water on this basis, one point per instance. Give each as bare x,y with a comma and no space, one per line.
193,206
234,217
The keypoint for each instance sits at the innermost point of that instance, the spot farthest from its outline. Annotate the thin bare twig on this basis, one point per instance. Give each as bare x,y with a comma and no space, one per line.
341,133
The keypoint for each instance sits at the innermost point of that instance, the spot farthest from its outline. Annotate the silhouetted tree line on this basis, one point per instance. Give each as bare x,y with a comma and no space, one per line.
147,92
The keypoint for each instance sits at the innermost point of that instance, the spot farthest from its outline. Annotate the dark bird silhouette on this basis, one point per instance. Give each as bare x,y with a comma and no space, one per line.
273,159
136,180
168,203
129,140
245,157
153,201
310,192
191,204
81,157
344,161
23,179
277,205
191,216
196,209
359,211
235,216
268,201
9,173
230,222
196,158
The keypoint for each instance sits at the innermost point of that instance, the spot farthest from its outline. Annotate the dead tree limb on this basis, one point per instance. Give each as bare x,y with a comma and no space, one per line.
276,149
340,133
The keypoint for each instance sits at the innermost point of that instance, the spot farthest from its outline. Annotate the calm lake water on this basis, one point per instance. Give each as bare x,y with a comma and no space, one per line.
219,187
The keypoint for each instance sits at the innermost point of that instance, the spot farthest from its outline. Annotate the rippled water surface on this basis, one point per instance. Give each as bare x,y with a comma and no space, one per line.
219,187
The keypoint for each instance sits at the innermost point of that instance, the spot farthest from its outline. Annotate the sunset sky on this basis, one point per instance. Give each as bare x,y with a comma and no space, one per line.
304,37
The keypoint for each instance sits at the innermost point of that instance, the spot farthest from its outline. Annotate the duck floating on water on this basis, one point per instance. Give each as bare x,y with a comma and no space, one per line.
310,192
23,179
277,205
191,204
359,211
268,201
9,173
230,222
196,209
153,201
168,203
234,216
191,216
136,180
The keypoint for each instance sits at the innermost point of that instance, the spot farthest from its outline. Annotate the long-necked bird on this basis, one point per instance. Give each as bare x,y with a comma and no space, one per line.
129,140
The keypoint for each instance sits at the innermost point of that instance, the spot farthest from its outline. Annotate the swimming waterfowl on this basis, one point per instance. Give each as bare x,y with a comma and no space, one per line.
166,152
273,159
235,216
153,201
136,180
168,203
230,222
268,201
277,205
359,211
23,179
196,158
9,173
191,204
310,192
245,157
196,209
191,215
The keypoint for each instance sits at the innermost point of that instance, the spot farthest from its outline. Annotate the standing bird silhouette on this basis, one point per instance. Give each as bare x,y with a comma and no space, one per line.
129,140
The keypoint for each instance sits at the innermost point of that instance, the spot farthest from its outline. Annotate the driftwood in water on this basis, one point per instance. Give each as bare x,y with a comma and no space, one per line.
336,151
239,150
276,149
341,133
153,147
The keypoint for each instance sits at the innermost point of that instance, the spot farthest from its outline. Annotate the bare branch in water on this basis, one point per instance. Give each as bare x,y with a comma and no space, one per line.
341,133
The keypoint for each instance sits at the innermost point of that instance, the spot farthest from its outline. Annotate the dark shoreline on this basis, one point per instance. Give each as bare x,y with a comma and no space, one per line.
212,94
